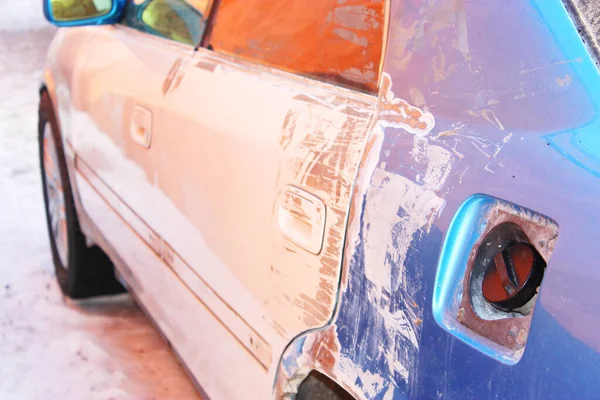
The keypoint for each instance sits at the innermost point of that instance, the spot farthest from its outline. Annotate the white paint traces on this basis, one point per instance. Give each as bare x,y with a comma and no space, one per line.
396,209
372,383
364,381
438,168
391,193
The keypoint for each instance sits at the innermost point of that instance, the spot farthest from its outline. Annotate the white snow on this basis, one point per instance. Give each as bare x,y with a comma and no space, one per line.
21,15
51,347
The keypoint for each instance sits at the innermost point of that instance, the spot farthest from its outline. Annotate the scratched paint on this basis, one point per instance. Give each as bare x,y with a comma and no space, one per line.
398,211
322,151
453,116
397,113
309,139
408,208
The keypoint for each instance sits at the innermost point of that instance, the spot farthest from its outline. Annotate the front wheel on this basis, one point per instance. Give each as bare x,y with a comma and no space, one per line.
81,271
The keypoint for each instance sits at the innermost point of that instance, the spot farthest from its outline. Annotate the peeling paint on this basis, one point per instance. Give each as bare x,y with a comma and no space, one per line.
397,211
412,209
370,383
322,140
397,113
351,36
356,18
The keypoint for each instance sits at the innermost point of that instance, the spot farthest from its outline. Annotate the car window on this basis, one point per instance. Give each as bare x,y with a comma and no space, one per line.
179,20
331,40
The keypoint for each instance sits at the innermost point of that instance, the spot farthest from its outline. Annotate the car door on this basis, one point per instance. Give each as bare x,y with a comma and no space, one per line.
120,90
259,145
118,93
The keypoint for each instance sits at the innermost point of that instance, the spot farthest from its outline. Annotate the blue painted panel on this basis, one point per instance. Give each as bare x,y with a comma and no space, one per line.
516,100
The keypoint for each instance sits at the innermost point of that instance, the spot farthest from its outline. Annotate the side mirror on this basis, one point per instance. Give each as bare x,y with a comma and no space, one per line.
83,12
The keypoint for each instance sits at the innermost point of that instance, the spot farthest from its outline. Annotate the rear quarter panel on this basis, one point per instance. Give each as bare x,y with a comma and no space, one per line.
499,98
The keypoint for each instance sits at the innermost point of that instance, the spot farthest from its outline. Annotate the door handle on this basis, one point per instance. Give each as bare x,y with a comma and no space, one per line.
141,126
301,218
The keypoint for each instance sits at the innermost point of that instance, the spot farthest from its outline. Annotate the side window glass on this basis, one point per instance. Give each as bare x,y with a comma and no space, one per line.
331,40
178,20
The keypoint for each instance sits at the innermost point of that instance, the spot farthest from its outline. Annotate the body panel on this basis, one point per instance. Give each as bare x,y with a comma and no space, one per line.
186,322
511,98
121,71
115,192
185,177
250,134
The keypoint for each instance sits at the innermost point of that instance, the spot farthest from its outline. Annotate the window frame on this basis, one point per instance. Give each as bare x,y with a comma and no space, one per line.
153,33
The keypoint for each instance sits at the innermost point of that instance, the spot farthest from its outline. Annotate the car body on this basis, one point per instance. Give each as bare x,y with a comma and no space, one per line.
289,189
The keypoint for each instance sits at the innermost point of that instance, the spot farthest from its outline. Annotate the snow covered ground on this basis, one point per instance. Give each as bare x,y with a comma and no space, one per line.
51,347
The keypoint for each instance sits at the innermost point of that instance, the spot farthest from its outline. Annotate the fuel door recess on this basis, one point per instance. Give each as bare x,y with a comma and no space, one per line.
489,275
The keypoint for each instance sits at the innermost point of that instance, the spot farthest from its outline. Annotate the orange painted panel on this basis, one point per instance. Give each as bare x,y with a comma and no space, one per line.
337,42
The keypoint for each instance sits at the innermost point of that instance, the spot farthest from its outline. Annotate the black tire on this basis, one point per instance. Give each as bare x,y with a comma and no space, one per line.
89,272
318,387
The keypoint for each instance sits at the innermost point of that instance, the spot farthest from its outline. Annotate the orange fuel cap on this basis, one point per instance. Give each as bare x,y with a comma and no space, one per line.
513,276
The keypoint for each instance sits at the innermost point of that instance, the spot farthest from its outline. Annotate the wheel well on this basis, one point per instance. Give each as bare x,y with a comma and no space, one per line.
317,386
